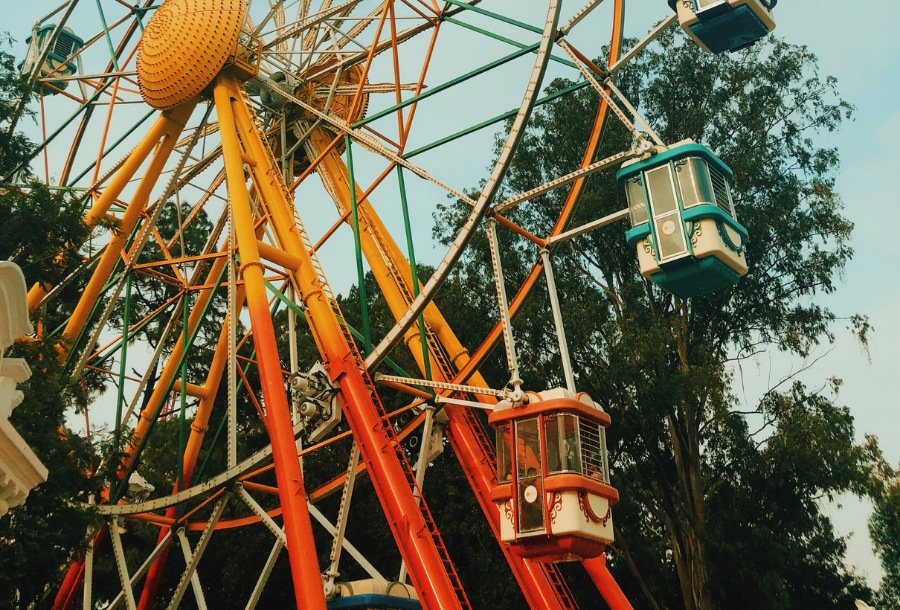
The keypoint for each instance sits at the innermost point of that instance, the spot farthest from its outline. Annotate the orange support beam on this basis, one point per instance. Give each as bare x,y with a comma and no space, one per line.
606,584
169,126
417,539
171,368
534,579
297,526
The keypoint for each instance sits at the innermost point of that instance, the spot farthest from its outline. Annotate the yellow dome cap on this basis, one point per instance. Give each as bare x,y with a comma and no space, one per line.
184,47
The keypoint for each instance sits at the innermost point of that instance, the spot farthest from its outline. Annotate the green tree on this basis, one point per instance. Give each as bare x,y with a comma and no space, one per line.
40,536
884,529
720,503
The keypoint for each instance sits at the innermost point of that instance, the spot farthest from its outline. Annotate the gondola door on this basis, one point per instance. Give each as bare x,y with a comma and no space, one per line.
529,478
669,228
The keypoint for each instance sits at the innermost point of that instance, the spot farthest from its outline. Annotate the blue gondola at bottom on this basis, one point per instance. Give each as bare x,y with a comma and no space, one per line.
373,601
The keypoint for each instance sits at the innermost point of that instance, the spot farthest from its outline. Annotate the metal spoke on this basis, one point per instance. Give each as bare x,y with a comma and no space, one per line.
591,226
589,75
346,494
503,302
309,22
633,51
449,400
120,562
163,545
558,321
88,576
424,449
198,553
438,385
57,78
316,514
195,577
264,576
260,512
637,115
232,315
567,179
581,14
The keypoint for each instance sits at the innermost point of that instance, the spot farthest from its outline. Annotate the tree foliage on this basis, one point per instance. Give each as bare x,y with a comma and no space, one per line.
720,502
36,539
884,529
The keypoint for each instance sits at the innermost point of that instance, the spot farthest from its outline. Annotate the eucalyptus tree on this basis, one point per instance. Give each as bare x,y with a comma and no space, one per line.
721,500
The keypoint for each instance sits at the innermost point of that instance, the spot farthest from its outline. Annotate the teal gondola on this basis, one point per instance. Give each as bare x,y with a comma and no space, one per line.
684,228
58,62
725,25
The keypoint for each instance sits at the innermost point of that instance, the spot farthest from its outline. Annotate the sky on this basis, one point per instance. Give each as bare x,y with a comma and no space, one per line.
855,42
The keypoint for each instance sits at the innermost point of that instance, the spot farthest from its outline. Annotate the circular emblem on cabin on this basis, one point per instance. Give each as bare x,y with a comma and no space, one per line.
668,227
531,494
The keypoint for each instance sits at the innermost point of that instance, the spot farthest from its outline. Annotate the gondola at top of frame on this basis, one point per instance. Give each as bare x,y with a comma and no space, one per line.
719,26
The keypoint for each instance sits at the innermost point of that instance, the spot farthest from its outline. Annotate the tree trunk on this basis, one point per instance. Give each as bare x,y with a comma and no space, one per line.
621,549
690,565
686,532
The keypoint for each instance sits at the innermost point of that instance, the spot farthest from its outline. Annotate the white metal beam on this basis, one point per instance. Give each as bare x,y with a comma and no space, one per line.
195,577
120,562
198,553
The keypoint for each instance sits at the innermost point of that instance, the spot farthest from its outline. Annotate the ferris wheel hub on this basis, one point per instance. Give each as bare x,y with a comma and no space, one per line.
185,45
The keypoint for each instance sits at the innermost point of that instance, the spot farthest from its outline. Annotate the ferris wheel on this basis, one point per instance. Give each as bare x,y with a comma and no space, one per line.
261,112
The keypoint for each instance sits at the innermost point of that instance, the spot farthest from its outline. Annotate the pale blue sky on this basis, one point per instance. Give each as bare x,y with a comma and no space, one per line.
857,43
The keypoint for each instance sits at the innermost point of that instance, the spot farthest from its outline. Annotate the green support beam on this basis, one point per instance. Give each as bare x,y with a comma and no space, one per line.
120,490
412,268
503,18
121,395
460,79
112,51
496,119
182,441
521,45
363,305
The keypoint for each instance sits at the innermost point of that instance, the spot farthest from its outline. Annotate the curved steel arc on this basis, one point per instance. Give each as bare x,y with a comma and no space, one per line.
484,200
219,481
395,335
239,473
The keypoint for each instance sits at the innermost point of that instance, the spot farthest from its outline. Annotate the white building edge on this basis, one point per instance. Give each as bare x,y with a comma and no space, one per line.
20,469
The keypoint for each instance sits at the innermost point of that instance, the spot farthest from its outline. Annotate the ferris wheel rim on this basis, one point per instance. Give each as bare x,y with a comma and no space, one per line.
557,229
568,209
498,169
